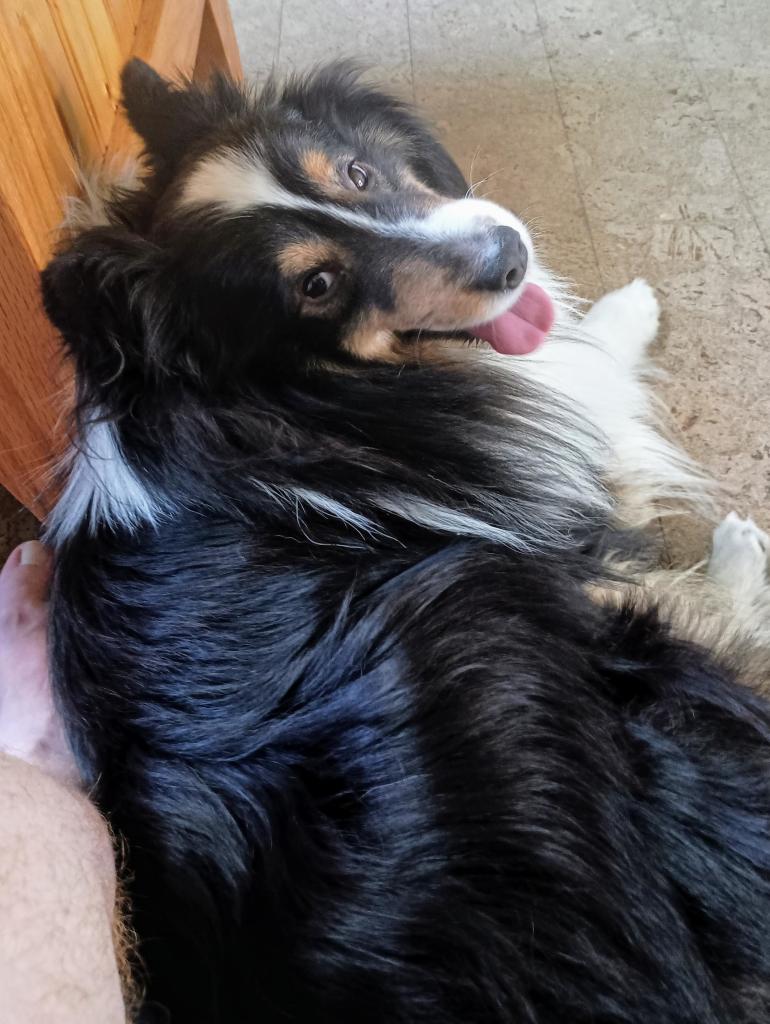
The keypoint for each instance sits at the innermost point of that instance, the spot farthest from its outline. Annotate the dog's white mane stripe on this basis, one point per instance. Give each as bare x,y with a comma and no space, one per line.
236,181
101,489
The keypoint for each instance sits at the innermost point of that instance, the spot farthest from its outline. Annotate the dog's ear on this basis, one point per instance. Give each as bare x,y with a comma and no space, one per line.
157,110
103,292
170,117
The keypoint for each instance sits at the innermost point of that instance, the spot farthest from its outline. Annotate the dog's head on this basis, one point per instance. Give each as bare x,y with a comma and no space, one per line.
321,222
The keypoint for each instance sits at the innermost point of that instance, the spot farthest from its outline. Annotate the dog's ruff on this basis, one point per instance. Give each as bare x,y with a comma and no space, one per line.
359,631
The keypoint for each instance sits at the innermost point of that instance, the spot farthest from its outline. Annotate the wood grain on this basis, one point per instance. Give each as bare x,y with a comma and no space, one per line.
60,63
28,372
218,47
167,37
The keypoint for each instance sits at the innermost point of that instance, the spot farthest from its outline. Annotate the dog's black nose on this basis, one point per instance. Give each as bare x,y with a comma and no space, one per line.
506,262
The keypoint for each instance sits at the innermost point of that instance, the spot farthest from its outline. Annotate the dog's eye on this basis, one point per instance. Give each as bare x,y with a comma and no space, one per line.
319,283
358,175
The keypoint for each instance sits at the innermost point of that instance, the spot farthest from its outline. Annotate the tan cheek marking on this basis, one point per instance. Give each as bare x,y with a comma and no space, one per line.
427,296
369,341
298,257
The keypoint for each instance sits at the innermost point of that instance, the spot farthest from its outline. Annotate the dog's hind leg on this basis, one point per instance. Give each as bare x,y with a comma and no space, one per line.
739,563
624,322
728,610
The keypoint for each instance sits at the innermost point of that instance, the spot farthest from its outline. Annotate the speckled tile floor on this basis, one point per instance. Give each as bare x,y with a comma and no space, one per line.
635,136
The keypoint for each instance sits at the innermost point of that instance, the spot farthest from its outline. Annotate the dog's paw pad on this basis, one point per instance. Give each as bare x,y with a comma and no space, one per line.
739,553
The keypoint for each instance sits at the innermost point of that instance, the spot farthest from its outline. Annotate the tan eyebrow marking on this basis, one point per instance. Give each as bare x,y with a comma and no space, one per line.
319,168
297,257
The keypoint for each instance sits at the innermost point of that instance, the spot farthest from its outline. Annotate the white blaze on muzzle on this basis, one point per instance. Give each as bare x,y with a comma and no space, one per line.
237,181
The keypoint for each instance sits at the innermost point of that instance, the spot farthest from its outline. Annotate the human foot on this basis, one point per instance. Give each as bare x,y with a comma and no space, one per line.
30,726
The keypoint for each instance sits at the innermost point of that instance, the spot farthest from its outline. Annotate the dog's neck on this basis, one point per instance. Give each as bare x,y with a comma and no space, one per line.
465,450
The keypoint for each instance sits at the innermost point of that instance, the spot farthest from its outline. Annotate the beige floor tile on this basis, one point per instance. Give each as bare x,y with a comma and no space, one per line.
489,38
740,101
482,76
258,25
727,33
601,30
726,45
369,31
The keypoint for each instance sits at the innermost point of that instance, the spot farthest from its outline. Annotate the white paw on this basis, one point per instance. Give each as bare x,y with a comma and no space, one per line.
625,321
739,555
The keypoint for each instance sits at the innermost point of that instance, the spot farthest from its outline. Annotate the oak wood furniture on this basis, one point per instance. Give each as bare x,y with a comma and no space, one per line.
60,63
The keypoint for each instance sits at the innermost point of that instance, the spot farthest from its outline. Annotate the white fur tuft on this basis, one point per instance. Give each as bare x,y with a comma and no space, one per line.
101,489
90,209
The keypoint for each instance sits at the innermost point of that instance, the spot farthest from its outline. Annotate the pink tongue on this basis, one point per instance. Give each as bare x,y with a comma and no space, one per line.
523,327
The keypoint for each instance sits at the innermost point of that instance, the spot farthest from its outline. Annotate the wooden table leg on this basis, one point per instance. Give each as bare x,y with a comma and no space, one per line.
58,82
218,47
29,404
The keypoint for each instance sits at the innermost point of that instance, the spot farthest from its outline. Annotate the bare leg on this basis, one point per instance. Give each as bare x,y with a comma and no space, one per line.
29,725
57,871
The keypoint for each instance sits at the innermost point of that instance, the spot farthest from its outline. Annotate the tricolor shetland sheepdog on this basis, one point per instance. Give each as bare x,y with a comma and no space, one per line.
356,624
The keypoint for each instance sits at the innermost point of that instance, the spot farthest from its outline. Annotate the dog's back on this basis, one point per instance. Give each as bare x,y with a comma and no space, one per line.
452,791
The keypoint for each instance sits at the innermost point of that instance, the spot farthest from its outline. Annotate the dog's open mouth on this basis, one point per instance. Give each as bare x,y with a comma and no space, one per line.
515,332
